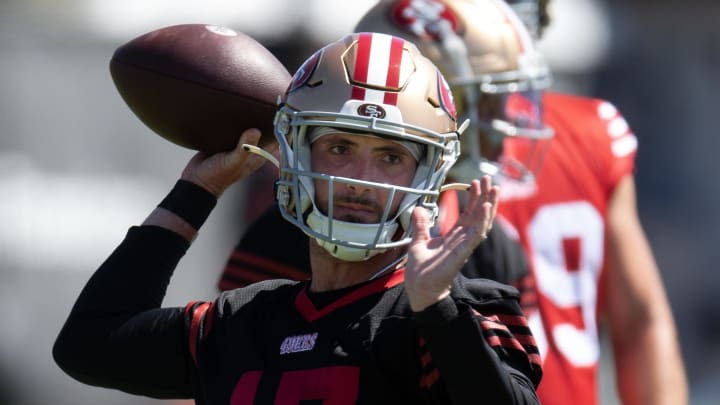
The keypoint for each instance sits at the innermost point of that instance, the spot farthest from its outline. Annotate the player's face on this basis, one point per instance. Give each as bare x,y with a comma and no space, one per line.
519,110
360,157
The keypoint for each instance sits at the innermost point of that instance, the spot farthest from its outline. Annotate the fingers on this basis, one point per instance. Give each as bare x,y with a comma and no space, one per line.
481,207
251,136
421,224
241,159
218,171
490,196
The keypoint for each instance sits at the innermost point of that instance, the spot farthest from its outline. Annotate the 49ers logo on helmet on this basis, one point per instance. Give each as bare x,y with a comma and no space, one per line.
371,110
305,72
423,18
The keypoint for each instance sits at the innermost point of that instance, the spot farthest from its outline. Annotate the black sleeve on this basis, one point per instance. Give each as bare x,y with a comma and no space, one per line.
270,248
483,348
116,335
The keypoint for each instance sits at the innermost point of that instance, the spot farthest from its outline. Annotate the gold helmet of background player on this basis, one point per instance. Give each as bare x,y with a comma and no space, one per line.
496,75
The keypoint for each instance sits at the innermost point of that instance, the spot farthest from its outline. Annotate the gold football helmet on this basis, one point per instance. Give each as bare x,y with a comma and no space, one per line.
374,84
487,55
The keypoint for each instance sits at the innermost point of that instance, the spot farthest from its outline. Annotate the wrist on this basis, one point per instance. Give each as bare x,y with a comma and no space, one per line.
420,301
189,201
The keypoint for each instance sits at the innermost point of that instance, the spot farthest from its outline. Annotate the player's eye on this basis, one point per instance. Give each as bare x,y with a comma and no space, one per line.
338,149
393,158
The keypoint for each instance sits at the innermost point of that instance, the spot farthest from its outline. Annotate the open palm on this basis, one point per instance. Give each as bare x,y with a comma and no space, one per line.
433,262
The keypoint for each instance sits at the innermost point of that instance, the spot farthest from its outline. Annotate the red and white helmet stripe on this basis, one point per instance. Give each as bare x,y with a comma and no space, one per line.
380,64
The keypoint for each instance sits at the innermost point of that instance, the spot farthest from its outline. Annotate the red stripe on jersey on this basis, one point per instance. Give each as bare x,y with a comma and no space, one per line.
310,313
196,312
505,342
517,340
528,294
514,320
425,359
362,65
526,340
516,343
488,324
535,359
394,69
246,268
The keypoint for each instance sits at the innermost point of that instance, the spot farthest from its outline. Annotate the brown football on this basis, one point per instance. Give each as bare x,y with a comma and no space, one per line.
199,86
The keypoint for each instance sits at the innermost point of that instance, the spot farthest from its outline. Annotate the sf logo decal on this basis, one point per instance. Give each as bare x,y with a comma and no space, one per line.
371,110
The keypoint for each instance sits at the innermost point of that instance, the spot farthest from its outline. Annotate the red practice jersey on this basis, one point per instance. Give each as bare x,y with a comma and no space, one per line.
561,224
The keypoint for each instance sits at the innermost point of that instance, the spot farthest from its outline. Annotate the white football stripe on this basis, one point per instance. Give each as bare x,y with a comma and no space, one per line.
379,59
374,96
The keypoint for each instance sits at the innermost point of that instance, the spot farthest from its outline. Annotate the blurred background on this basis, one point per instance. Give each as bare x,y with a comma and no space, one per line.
77,167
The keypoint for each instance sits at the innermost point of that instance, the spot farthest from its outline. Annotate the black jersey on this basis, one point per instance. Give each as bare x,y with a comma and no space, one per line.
274,248
274,343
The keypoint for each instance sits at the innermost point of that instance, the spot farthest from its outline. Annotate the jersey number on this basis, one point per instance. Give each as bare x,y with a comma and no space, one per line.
333,385
567,253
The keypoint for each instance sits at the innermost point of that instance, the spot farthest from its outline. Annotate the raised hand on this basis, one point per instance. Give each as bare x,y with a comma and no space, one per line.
219,171
433,262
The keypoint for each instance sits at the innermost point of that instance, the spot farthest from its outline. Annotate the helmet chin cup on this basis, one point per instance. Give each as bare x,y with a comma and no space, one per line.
340,232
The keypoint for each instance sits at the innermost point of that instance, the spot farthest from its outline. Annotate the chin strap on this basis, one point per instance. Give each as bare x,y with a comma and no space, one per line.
454,186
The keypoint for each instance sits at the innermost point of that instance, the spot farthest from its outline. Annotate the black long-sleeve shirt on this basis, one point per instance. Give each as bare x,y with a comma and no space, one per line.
273,342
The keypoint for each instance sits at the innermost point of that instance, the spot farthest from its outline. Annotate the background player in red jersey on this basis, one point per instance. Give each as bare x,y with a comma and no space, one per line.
367,132
590,256
575,215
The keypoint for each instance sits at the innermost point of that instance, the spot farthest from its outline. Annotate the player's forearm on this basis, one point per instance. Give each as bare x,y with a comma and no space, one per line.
650,370
649,363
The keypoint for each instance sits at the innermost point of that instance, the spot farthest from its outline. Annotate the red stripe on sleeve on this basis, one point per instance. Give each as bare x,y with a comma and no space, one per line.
427,380
505,342
513,320
487,324
196,312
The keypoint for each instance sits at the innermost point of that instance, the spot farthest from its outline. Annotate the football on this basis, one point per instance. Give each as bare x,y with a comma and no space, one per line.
199,86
